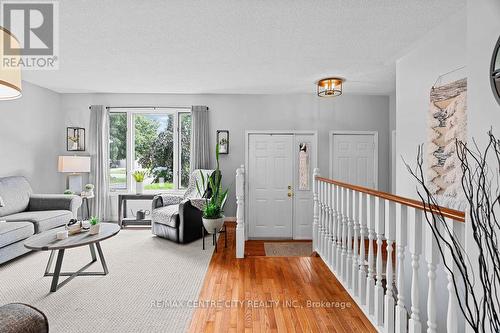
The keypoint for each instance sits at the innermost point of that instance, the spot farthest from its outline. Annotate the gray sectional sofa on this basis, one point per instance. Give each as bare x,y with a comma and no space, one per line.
23,214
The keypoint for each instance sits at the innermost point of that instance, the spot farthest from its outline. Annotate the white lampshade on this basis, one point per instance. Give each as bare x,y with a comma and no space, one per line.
10,74
74,164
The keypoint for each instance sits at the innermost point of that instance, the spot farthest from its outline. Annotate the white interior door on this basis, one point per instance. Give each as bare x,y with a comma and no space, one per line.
354,159
270,180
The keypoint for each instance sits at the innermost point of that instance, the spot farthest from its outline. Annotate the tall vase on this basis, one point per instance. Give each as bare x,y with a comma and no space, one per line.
139,187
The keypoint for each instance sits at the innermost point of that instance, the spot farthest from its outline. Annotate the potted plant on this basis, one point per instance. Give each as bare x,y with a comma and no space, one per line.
139,176
95,225
89,190
213,209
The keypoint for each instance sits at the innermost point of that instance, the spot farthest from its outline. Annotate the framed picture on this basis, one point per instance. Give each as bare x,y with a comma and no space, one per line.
75,139
223,141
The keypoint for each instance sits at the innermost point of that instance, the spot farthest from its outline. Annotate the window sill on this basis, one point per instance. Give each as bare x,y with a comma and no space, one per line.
173,192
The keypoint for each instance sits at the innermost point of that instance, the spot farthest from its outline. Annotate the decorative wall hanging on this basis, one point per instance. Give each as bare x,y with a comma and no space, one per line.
495,71
304,174
75,139
223,141
447,122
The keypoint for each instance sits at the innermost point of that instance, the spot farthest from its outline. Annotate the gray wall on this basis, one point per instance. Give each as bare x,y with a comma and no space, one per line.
238,113
31,132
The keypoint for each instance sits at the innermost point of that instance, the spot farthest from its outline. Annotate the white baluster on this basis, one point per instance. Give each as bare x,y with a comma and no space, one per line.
415,245
321,217
401,234
379,289
327,220
316,210
240,212
333,247
451,316
350,223
432,258
330,223
362,232
355,264
390,235
370,282
340,219
345,203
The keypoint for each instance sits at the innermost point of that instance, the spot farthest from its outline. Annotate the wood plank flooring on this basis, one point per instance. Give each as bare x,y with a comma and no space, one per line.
273,294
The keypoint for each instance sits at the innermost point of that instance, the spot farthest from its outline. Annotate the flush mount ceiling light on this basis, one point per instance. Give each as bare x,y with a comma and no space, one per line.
330,86
10,71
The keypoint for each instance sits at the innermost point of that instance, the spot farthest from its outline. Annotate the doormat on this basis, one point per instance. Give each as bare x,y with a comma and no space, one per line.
288,249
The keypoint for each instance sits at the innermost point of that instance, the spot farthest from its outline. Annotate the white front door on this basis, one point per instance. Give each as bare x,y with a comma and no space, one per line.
270,180
354,159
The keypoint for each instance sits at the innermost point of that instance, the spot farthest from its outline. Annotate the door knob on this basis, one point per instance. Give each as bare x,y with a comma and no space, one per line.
290,194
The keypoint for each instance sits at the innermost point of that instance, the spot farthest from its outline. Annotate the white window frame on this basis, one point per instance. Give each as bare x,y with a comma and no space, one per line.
131,112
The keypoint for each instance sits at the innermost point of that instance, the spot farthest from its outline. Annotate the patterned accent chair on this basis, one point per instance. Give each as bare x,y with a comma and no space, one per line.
178,218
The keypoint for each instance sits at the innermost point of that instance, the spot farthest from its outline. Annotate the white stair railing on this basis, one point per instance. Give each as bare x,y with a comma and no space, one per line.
364,235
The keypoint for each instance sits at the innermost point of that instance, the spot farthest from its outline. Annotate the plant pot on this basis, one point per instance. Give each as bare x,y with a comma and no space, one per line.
95,229
139,187
212,225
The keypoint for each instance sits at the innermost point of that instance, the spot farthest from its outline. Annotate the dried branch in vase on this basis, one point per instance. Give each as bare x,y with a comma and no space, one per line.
476,288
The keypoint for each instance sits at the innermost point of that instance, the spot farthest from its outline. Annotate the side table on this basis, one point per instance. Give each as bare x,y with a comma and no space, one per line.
123,220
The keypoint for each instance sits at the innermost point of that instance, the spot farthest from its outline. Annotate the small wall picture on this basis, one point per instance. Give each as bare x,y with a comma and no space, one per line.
223,141
75,139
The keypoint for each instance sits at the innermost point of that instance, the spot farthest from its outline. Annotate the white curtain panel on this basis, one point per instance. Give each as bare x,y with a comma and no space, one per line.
99,154
200,133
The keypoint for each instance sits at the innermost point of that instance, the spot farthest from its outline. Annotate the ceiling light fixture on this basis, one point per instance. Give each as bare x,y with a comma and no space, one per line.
330,87
10,72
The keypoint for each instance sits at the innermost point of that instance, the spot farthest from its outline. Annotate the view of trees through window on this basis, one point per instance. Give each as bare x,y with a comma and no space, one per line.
185,147
154,148
118,151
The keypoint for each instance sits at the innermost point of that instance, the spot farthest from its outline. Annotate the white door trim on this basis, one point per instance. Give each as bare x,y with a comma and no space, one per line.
375,157
247,141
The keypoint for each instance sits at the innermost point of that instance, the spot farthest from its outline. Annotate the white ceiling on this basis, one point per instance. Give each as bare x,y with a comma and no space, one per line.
235,46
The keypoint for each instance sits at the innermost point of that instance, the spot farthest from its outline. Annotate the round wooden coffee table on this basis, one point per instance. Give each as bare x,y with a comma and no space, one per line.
47,241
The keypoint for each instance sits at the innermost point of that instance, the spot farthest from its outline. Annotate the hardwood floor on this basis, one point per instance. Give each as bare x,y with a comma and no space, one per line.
273,294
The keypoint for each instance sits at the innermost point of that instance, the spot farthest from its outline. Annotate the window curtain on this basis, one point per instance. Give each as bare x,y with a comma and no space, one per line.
99,167
200,144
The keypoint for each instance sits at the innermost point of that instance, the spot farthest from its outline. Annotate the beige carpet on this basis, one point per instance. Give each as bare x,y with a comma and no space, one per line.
143,271
288,249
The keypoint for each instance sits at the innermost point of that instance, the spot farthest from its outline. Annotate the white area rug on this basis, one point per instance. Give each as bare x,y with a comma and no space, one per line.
144,271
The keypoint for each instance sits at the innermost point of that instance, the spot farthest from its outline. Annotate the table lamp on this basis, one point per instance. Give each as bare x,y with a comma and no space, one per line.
75,166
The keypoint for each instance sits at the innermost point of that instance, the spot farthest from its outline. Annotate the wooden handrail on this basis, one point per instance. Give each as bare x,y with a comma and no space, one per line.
447,212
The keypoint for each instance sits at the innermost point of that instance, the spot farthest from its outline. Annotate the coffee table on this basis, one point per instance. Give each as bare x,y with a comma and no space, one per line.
47,241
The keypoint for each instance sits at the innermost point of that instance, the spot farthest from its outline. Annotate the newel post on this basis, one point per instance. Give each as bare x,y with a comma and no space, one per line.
240,212
316,210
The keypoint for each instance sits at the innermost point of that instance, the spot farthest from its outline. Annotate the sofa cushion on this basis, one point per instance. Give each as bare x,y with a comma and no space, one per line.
15,192
42,220
14,232
168,215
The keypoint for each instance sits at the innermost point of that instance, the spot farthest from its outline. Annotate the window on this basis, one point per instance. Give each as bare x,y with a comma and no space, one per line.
158,142
118,151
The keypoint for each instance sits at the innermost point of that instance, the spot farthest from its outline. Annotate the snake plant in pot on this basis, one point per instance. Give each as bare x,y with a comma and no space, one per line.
213,209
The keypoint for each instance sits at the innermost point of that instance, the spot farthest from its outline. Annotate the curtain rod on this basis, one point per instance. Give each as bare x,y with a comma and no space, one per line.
148,107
